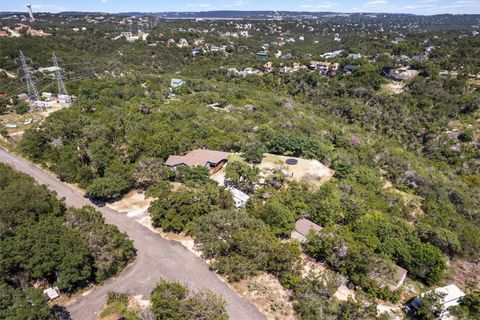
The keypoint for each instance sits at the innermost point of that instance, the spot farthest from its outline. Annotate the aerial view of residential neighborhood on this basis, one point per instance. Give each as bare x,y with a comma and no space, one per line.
243,160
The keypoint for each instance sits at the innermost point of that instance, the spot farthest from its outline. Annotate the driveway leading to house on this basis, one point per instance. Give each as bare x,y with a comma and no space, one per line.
156,257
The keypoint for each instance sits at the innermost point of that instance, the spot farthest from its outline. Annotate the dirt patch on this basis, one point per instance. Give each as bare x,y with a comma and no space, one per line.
312,171
310,266
266,292
133,202
343,293
393,313
463,272
395,87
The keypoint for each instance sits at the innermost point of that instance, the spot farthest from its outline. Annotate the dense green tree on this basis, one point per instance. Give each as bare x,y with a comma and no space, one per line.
279,217
254,152
171,300
241,175
204,304
16,304
173,210
166,299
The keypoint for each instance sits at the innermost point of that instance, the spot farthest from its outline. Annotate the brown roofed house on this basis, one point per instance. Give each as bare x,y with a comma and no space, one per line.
303,227
210,159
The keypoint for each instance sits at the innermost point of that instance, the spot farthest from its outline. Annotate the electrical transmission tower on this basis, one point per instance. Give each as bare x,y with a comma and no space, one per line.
58,75
31,88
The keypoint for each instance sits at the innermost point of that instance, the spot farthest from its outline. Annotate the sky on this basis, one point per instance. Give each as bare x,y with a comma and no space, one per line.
391,6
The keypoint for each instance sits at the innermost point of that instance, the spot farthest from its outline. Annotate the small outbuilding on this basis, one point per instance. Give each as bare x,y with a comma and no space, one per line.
303,227
51,293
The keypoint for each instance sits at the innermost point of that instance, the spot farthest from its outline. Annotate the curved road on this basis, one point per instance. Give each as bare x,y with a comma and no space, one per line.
156,257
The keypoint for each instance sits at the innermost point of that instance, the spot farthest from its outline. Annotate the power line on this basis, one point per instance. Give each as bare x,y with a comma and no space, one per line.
31,88
58,75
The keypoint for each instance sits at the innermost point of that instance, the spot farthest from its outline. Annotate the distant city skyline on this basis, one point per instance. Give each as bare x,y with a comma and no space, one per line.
426,7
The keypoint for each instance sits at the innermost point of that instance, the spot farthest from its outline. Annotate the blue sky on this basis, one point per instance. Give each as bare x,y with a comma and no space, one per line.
397,6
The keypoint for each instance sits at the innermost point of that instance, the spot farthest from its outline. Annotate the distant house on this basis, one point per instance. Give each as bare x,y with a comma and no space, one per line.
450,296
354,56
349,68
175,83
302,228
210,159
399,74
182,43
267,67
262,55
126,34
239,198
333,54
214,48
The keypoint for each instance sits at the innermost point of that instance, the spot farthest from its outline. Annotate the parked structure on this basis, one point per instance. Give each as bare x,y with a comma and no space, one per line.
239,198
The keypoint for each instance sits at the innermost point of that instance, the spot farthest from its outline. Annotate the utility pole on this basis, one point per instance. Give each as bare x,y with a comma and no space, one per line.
31,88
58,75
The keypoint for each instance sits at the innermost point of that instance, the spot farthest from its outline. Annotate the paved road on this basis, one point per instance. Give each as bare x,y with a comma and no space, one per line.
156,257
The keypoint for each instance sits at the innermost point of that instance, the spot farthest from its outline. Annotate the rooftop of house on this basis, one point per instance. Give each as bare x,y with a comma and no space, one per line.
199,157
303,226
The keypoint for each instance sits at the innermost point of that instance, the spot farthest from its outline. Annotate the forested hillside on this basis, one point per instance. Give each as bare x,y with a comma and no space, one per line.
406,163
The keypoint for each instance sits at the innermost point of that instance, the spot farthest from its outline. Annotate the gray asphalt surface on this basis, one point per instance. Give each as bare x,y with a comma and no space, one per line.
157,257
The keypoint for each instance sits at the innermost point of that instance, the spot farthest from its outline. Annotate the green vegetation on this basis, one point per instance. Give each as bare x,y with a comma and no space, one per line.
242,246
171,300
42,240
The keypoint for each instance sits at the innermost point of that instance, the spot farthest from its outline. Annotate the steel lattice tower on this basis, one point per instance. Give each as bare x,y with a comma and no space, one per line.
58,75
31,88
